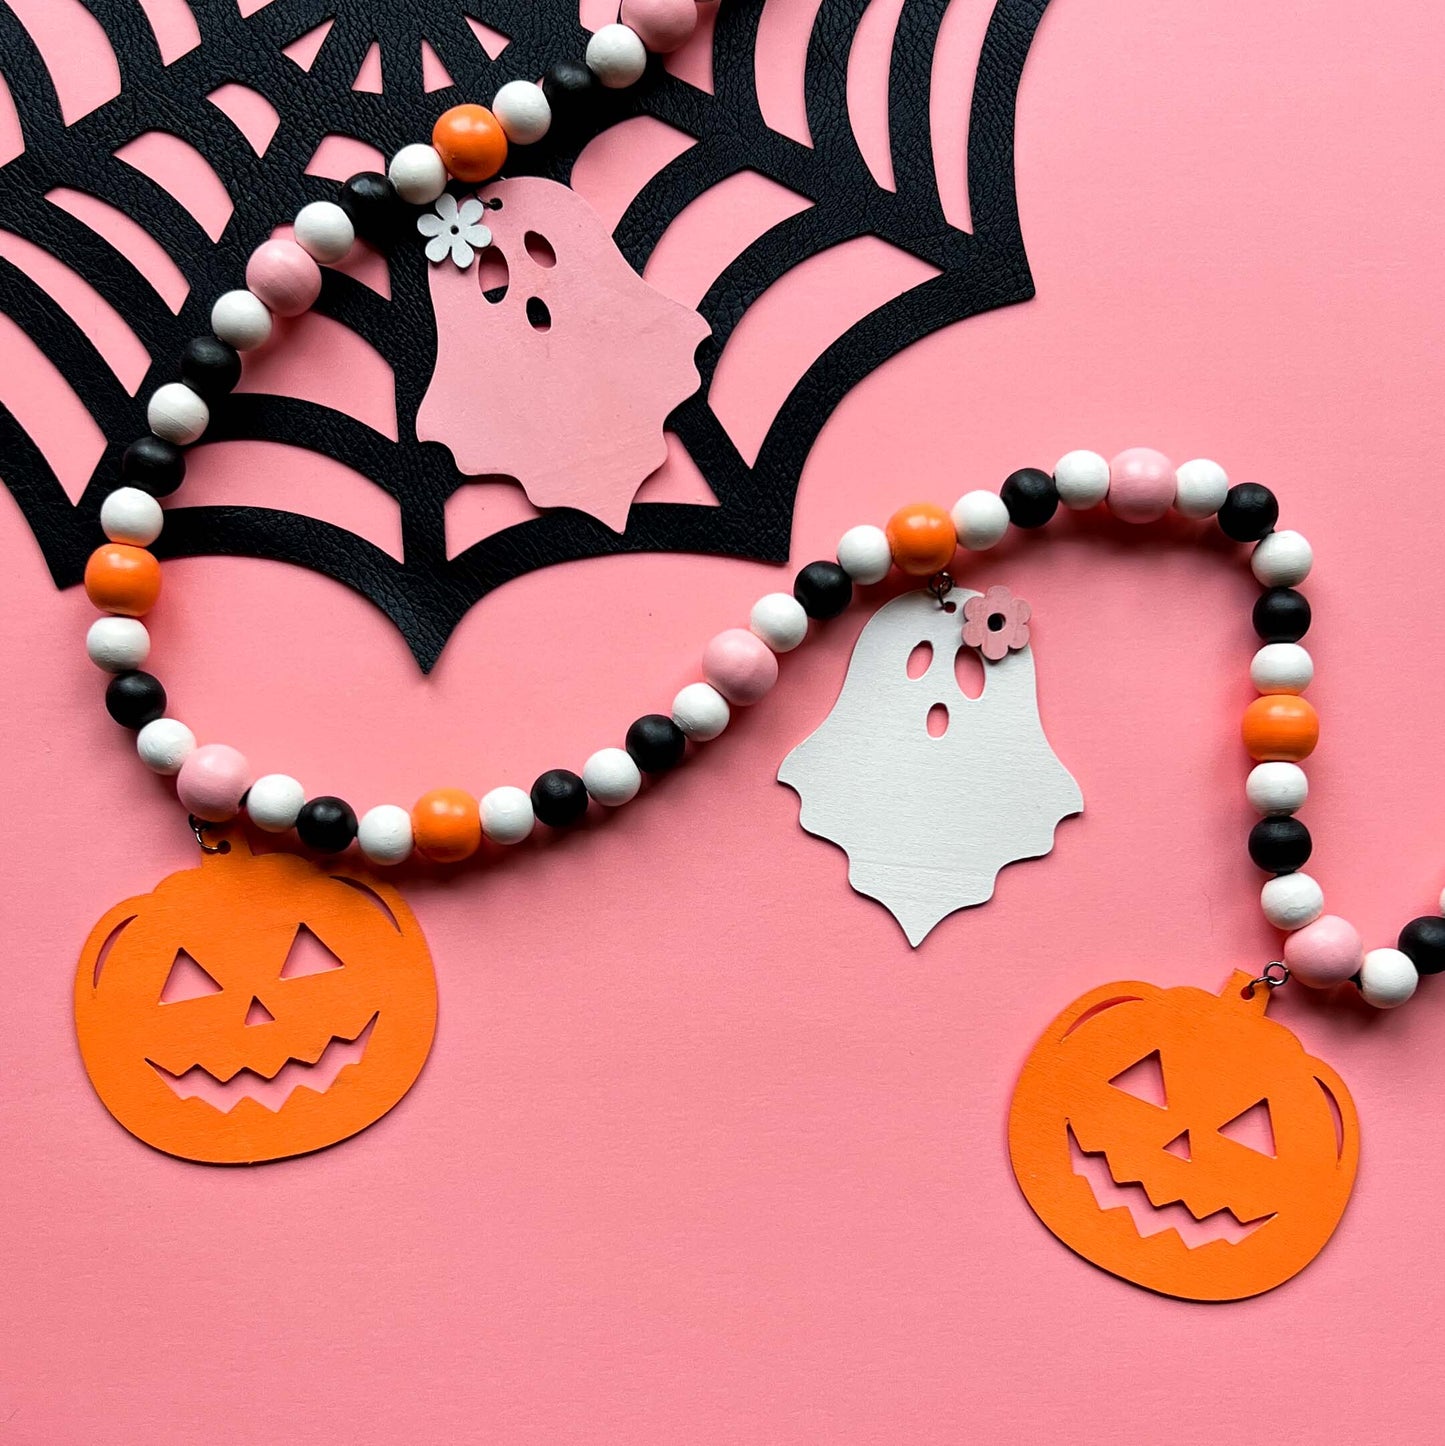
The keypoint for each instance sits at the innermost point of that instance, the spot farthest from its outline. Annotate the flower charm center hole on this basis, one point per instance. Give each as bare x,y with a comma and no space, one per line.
996,622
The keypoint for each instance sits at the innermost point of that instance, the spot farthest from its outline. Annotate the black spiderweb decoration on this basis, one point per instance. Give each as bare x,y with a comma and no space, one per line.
426,594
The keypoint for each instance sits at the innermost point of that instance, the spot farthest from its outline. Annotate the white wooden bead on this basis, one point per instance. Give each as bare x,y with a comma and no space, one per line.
522,110
324,231
1282,559
1282,668
1082,479
617,56
779,620
1291,901
611,777
701,712
864,554
117,645
1388,978
1277,787
980,519
130,515
507,816
164,745
273,801
242,320
177,414
418,173
384,834
1200,487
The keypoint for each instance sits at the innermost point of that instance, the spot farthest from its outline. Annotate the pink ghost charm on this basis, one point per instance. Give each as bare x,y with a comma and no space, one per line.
565,380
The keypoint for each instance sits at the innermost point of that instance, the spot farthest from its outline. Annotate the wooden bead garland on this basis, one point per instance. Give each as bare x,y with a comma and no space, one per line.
470,144
740,666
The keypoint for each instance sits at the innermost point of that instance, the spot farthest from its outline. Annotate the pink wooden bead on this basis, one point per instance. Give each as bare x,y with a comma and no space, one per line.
1141,485
212,781
663,25
740,665
1325,953
284,276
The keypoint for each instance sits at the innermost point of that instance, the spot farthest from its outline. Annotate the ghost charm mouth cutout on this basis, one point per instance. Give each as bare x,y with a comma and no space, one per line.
557,364
928,790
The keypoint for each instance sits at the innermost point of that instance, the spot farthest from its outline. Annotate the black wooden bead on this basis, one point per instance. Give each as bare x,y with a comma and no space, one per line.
326,824
559,798
153,465
1424,941
824,590
571,90
656,743
1249,512
209,367
135,699
377,213
1281,615
1280,845
1030,496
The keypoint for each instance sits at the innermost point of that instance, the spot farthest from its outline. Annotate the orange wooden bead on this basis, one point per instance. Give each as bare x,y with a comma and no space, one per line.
446,825
922,539
123,579
1280,728
471,142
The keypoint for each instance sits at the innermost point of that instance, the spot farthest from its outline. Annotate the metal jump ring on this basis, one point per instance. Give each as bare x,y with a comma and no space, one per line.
940,585
198,827
1276,972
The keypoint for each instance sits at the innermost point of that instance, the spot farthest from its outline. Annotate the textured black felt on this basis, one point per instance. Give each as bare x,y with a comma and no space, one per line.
426,594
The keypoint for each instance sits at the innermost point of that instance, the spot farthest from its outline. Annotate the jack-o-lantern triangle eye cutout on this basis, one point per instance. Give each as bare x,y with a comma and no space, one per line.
187,980
1165,1197
1253,1128
308,955
1145,1081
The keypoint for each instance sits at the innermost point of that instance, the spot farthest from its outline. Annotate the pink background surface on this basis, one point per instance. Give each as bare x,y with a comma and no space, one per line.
703,1151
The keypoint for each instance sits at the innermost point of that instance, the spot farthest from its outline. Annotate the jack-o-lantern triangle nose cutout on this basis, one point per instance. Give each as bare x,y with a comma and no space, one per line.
310,1017
1191,1102
259,1014
1179,1146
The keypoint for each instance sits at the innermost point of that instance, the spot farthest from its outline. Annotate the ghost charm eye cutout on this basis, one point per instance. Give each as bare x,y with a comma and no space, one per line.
928,815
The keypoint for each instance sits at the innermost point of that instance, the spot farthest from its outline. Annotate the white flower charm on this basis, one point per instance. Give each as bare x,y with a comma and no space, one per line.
455,229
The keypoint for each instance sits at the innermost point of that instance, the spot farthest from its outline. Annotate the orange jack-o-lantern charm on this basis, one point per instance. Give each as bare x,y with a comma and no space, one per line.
255,1007
1183,1141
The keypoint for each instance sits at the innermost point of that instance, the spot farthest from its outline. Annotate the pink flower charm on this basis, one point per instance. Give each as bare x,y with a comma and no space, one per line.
996,623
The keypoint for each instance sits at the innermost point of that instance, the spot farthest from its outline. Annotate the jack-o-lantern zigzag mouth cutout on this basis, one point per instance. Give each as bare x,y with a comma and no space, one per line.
270,1091
1152,1216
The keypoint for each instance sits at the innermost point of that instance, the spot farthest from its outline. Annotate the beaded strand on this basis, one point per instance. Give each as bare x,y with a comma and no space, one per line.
740,667
470,143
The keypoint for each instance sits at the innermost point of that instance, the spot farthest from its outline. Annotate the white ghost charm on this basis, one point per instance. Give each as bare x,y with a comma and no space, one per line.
928,821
